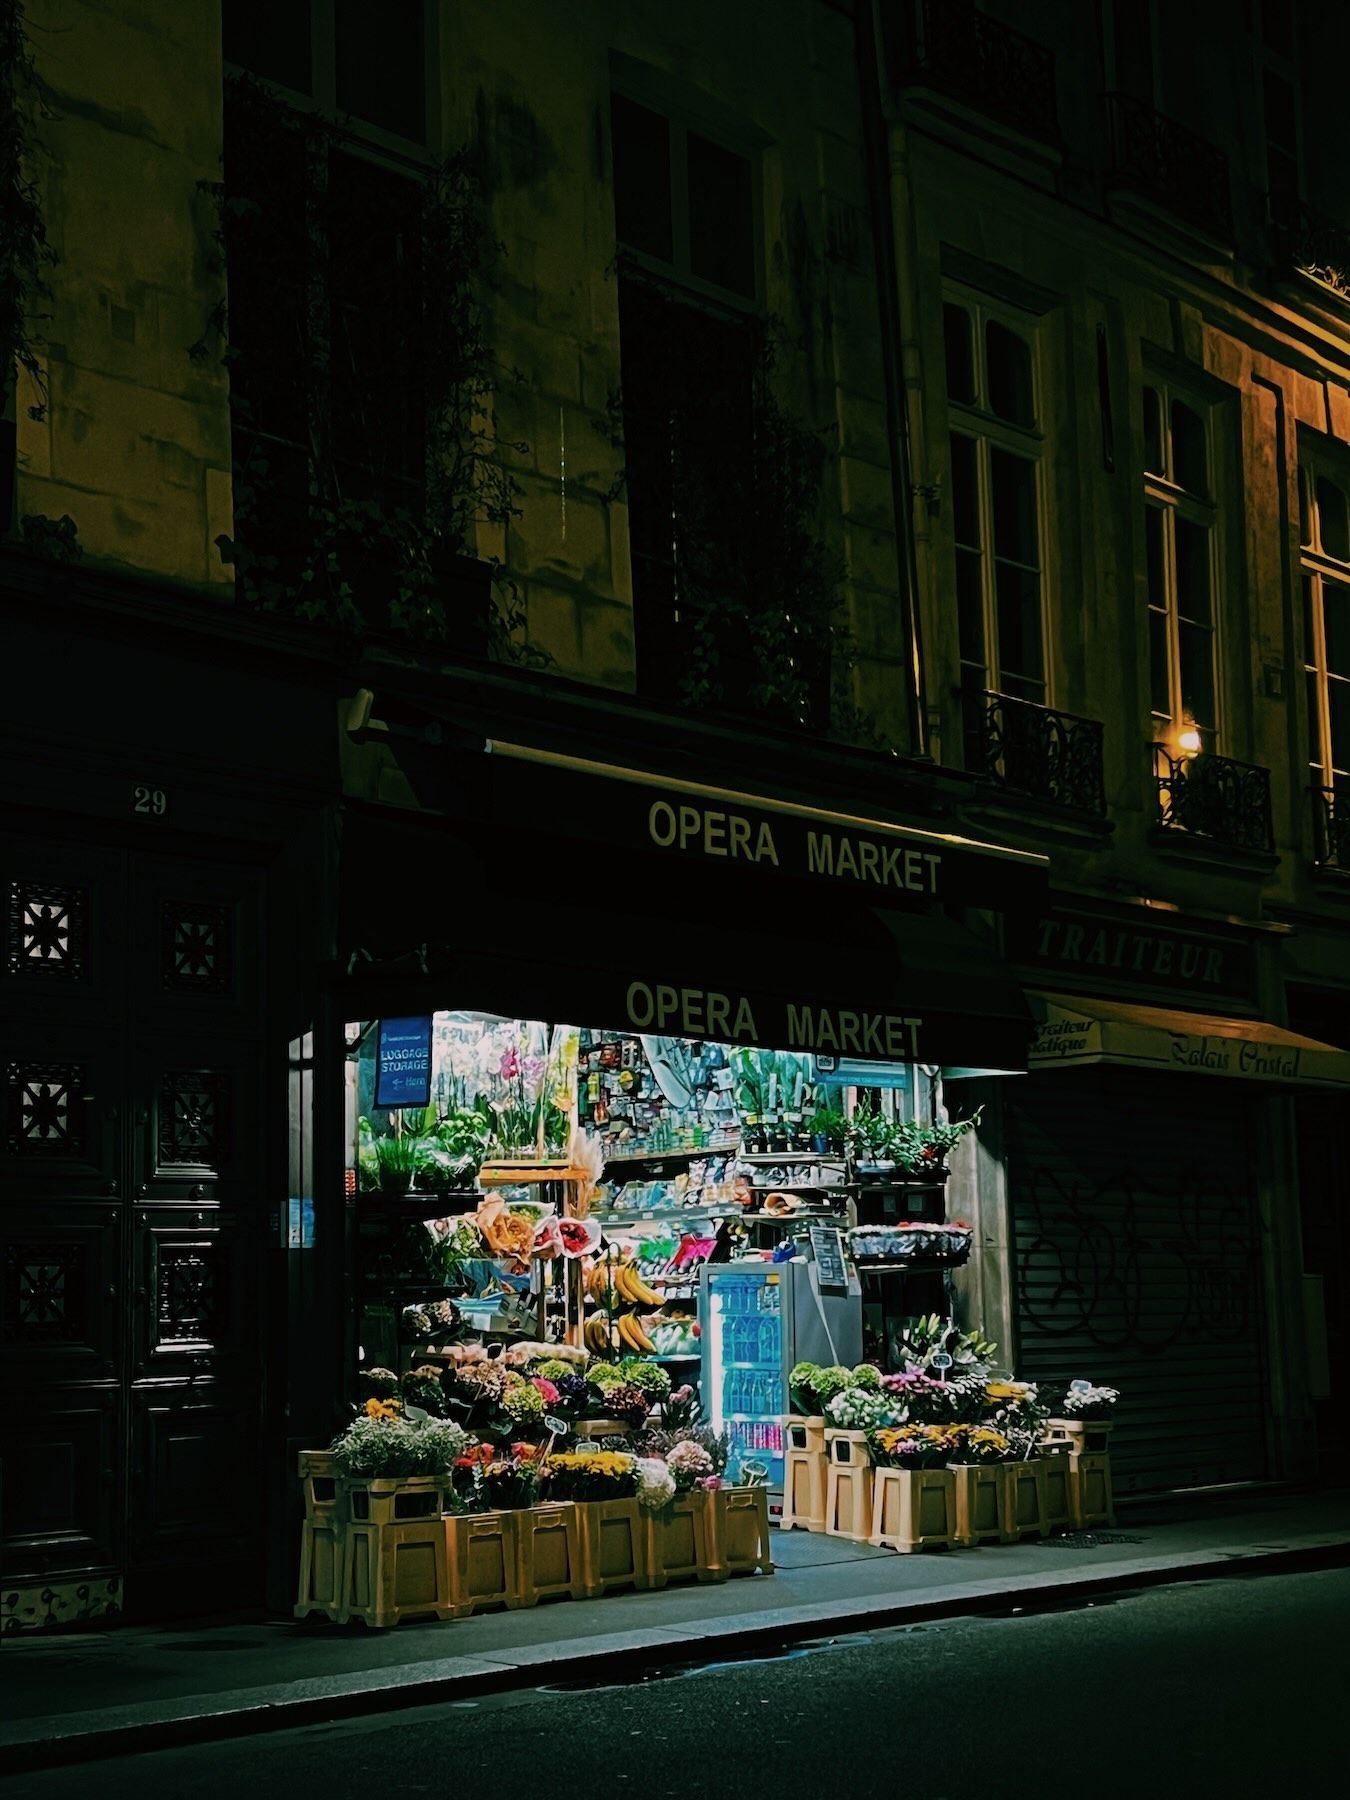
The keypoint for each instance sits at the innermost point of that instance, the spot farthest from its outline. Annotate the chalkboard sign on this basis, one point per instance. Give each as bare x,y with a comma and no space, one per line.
403,1063
828,1249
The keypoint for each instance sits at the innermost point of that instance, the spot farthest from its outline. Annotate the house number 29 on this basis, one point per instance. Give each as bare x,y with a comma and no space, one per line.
149,800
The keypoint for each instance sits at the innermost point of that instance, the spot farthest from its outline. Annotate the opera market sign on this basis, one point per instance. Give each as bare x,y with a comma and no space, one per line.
737,1018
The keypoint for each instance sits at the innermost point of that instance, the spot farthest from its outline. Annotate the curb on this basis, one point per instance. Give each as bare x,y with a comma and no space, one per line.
250,1712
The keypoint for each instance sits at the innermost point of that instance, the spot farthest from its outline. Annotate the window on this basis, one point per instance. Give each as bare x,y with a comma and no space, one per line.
331,346
1278,75
1324,498
1181,550
683,201
691,341
368,63
996,445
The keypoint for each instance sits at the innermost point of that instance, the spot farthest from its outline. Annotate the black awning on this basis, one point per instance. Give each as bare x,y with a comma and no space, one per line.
544,928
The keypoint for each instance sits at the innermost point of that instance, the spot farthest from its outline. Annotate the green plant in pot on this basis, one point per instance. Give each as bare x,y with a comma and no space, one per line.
869,1134
398,1159
828,1128
921,1151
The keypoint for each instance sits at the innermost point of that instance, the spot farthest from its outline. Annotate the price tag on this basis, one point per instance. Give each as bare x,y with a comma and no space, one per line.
1079,1386
942,1362
558,1427
827,1246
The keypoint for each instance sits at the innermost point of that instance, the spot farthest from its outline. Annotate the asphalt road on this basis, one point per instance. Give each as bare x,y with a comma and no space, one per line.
1229,1687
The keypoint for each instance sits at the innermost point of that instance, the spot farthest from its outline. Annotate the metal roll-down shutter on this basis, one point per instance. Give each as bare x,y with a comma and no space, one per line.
1137,1261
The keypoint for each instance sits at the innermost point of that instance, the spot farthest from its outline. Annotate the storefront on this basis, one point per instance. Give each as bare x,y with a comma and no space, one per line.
702,984
1146,1185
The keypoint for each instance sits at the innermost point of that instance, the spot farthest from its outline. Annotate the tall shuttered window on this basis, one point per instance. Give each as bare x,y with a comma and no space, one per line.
996,448
1182,550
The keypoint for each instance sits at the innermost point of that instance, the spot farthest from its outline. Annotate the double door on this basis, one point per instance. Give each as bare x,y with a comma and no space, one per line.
131,1230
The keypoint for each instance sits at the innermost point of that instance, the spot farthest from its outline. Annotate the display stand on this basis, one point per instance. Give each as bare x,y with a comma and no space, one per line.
568,1179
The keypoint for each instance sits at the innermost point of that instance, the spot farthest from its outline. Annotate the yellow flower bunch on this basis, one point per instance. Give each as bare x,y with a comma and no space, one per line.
383,1409
1005,1390
593,1462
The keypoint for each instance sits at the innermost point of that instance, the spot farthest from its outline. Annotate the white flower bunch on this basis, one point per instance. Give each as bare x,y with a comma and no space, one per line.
1088,1401
655,1483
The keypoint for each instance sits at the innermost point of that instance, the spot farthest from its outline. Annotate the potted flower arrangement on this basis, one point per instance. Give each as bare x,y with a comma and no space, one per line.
975,1453
914,1492
603,1485
1084,1417
395,1486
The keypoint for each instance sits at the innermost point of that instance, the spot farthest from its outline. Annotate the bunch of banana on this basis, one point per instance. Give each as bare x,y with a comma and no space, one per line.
596,1334
633,1335
631,1287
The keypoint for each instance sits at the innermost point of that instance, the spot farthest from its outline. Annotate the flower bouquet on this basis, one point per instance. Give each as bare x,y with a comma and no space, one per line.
588,1475
978,1444
1084,1402
911,1446
860,1409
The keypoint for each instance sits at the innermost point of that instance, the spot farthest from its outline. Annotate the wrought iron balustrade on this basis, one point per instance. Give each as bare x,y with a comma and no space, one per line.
1331,827
1309,243
1214,797
960,51
1036,751
1169,163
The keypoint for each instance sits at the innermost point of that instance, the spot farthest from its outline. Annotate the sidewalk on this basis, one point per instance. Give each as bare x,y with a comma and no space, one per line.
143,1688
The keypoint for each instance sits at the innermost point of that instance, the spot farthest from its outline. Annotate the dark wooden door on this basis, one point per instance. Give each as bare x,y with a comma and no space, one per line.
131,1230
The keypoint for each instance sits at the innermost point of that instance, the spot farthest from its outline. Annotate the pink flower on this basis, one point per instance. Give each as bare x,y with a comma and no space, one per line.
510,1064
534,1069
547,1389
711,1483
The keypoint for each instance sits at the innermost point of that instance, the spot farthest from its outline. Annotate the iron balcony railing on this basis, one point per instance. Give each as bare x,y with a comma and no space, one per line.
1214,797
1308,243
951,46
1331,827
1037,752
1168,163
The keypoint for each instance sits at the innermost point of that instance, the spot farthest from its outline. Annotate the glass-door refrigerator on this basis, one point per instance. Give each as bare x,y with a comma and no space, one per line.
758,1320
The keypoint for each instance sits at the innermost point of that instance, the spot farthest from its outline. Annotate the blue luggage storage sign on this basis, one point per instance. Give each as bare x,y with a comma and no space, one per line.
403,1063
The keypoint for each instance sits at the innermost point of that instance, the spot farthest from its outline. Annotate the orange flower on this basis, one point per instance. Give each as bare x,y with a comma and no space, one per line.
383,1409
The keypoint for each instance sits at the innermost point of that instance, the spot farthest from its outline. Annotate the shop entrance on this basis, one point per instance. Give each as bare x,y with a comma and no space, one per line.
129,1268
1137,1262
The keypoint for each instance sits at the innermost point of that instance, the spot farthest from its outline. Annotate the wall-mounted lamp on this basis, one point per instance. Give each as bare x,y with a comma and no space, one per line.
1188,742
